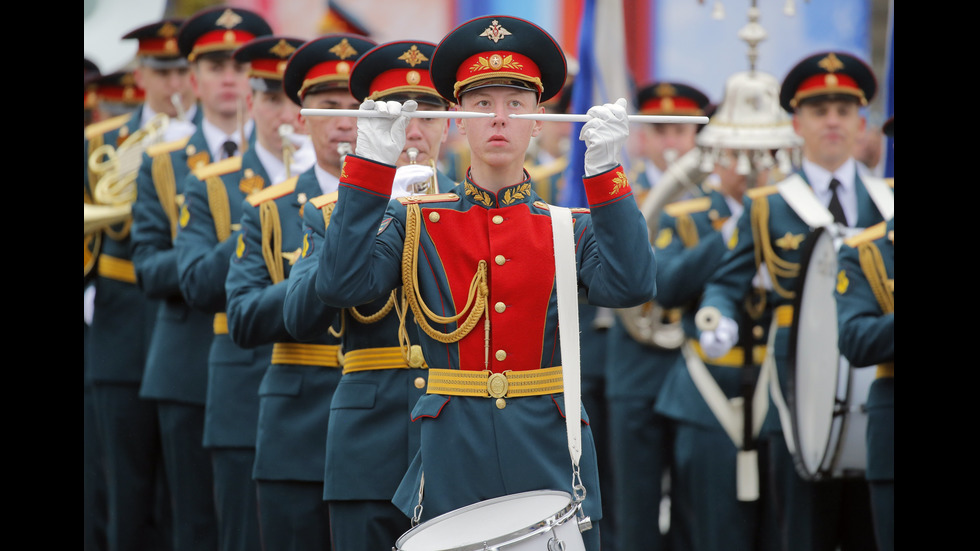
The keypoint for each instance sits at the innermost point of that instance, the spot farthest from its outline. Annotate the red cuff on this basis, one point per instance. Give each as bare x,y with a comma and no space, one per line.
368,175
606,187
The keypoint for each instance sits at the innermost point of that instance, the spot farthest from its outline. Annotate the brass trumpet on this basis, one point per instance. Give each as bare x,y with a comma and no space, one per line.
431,185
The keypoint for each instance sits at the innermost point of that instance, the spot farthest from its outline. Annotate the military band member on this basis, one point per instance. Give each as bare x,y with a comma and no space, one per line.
635,371
865,294
824,93
294,396
123,317
371,440
206,239
493,235
177,367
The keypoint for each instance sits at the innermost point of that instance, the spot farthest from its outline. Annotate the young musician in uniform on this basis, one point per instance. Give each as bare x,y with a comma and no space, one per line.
479,271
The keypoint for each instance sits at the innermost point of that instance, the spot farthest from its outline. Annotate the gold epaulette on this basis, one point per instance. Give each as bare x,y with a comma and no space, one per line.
763,191
890,182
218,168
167,147
870,234
107,125
273,192
433,198
546,171
321,201
546,206
688,206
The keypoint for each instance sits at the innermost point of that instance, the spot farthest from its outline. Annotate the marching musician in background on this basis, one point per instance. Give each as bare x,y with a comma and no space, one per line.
207,238
865,294
176,374
294,397
635,371
719,480
824,92
123,317
371,438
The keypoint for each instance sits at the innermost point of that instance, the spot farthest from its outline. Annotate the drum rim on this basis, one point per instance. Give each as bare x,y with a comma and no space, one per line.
557,519
821,473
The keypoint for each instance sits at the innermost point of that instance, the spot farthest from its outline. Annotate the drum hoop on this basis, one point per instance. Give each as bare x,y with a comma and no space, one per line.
516,536
798,462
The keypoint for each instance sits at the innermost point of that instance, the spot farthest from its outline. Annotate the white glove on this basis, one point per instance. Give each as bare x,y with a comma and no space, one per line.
381,139
604,136
89,304
721,339
406,177
178,130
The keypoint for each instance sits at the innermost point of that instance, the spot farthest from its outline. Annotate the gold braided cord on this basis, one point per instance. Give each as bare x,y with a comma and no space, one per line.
220,210
763,249
687,231
166,187
343,325
874,269
272,240
361,318
476,301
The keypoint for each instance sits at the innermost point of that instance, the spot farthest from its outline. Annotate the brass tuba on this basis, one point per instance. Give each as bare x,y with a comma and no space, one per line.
649,323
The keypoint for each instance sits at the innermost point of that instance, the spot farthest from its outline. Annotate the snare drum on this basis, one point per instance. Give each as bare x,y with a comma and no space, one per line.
827,395
542,520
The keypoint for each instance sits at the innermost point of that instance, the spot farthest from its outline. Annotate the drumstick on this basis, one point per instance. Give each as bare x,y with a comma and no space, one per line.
409,114
561,117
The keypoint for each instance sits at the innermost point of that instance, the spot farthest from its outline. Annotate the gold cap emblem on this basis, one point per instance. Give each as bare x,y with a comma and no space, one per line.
495,32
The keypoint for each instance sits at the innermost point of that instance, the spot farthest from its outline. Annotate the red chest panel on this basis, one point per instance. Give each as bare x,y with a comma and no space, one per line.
517,246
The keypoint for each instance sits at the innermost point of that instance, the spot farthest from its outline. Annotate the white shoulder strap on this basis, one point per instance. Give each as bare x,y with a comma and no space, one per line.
566,283
800,197
881,194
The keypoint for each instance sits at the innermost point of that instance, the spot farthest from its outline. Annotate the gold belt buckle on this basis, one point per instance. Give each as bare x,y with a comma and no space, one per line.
497,385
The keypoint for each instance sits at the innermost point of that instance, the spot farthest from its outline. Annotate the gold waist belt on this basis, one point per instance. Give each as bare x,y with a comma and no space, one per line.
885,370
117,268
367,359
298,353
221,323
784,315
509,384
734,358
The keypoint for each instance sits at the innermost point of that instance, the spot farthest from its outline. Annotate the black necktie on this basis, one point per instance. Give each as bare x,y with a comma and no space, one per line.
835,207
229,148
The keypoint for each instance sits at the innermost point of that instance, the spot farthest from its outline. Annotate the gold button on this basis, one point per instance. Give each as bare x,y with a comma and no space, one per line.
419,382
498,219
501,403
500,307
500,260
501,355
433,216
758,331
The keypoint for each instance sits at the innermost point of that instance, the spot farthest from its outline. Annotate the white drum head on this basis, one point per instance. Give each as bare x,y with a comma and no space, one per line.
493,522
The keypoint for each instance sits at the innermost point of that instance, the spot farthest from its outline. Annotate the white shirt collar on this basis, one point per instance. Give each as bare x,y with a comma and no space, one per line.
273,166
215,137
148,114
653,173
328,182
820,177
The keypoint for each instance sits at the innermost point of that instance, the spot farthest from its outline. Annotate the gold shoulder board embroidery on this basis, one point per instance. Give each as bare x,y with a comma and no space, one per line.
161,148
273,192
108,125
321,201
434,198
688,206
219,168
874,232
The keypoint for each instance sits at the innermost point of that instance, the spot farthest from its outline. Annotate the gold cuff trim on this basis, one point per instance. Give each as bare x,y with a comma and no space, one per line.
885,370
368,359
297,353
784,315
221,323
117,268
734,358
484,384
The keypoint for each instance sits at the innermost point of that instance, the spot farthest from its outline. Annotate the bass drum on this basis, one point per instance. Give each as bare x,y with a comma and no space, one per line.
542,520
827,395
